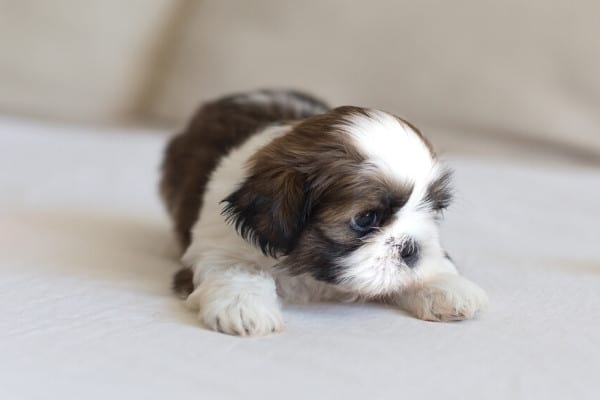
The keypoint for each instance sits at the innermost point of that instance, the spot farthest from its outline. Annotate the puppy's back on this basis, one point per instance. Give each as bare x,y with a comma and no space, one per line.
217,128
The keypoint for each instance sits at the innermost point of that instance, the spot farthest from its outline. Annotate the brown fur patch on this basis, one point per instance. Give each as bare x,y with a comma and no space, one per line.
215,129
287,178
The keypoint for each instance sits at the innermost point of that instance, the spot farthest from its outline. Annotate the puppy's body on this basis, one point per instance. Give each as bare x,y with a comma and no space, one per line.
274,196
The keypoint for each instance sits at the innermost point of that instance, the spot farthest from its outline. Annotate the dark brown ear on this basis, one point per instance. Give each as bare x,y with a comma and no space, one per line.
270,208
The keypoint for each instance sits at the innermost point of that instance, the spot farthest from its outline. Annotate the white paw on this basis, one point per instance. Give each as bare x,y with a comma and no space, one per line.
446,297
243,317
242,312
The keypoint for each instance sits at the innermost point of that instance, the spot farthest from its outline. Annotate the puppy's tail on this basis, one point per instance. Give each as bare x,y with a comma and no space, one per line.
183,282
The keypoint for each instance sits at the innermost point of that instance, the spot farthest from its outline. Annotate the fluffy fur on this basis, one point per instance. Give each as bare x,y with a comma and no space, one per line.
274,196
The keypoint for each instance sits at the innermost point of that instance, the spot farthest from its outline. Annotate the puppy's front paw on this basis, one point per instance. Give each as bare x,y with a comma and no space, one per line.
447,297
243,314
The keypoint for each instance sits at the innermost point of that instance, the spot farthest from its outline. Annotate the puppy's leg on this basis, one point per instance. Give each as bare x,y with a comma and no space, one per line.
442,296
237,299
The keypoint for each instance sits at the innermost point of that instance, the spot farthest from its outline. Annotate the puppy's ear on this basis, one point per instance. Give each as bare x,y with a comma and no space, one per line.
271,206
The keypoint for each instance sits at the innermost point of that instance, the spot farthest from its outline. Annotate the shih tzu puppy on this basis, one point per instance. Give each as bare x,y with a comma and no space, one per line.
275,196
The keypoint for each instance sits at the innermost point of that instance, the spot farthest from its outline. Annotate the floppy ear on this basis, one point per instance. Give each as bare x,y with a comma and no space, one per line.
270,208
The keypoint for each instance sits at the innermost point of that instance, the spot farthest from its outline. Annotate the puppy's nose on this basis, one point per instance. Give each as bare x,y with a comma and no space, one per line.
409,252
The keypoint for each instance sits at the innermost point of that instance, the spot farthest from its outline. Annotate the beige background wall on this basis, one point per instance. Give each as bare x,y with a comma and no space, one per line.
79,60
520,70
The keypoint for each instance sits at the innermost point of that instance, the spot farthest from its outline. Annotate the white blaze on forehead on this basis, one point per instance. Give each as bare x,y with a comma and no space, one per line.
391,145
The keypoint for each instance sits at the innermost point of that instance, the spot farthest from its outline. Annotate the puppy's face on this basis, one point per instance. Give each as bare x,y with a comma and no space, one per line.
352,197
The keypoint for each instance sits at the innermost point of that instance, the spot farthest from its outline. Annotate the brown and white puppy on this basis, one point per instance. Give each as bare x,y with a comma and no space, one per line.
276,196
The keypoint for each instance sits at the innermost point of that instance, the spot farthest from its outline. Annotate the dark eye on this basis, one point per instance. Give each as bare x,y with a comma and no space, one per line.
365,221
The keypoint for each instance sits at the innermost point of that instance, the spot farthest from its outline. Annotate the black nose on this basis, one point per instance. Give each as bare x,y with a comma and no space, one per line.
409,252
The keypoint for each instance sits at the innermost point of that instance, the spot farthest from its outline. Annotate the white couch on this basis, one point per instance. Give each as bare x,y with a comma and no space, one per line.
86,310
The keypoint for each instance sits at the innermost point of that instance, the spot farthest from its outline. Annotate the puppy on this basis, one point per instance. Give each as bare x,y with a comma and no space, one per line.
275,196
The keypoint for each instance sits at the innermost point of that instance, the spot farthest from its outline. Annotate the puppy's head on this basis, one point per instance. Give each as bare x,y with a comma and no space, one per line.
351,196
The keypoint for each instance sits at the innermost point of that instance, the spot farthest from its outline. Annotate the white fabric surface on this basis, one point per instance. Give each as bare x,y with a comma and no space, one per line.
86,258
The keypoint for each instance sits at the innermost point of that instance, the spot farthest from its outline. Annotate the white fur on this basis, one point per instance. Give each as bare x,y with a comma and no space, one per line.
237,290
443,297
375,269
392,146
237,301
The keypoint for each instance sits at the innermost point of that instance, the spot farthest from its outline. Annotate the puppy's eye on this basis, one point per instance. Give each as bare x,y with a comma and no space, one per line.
365,221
